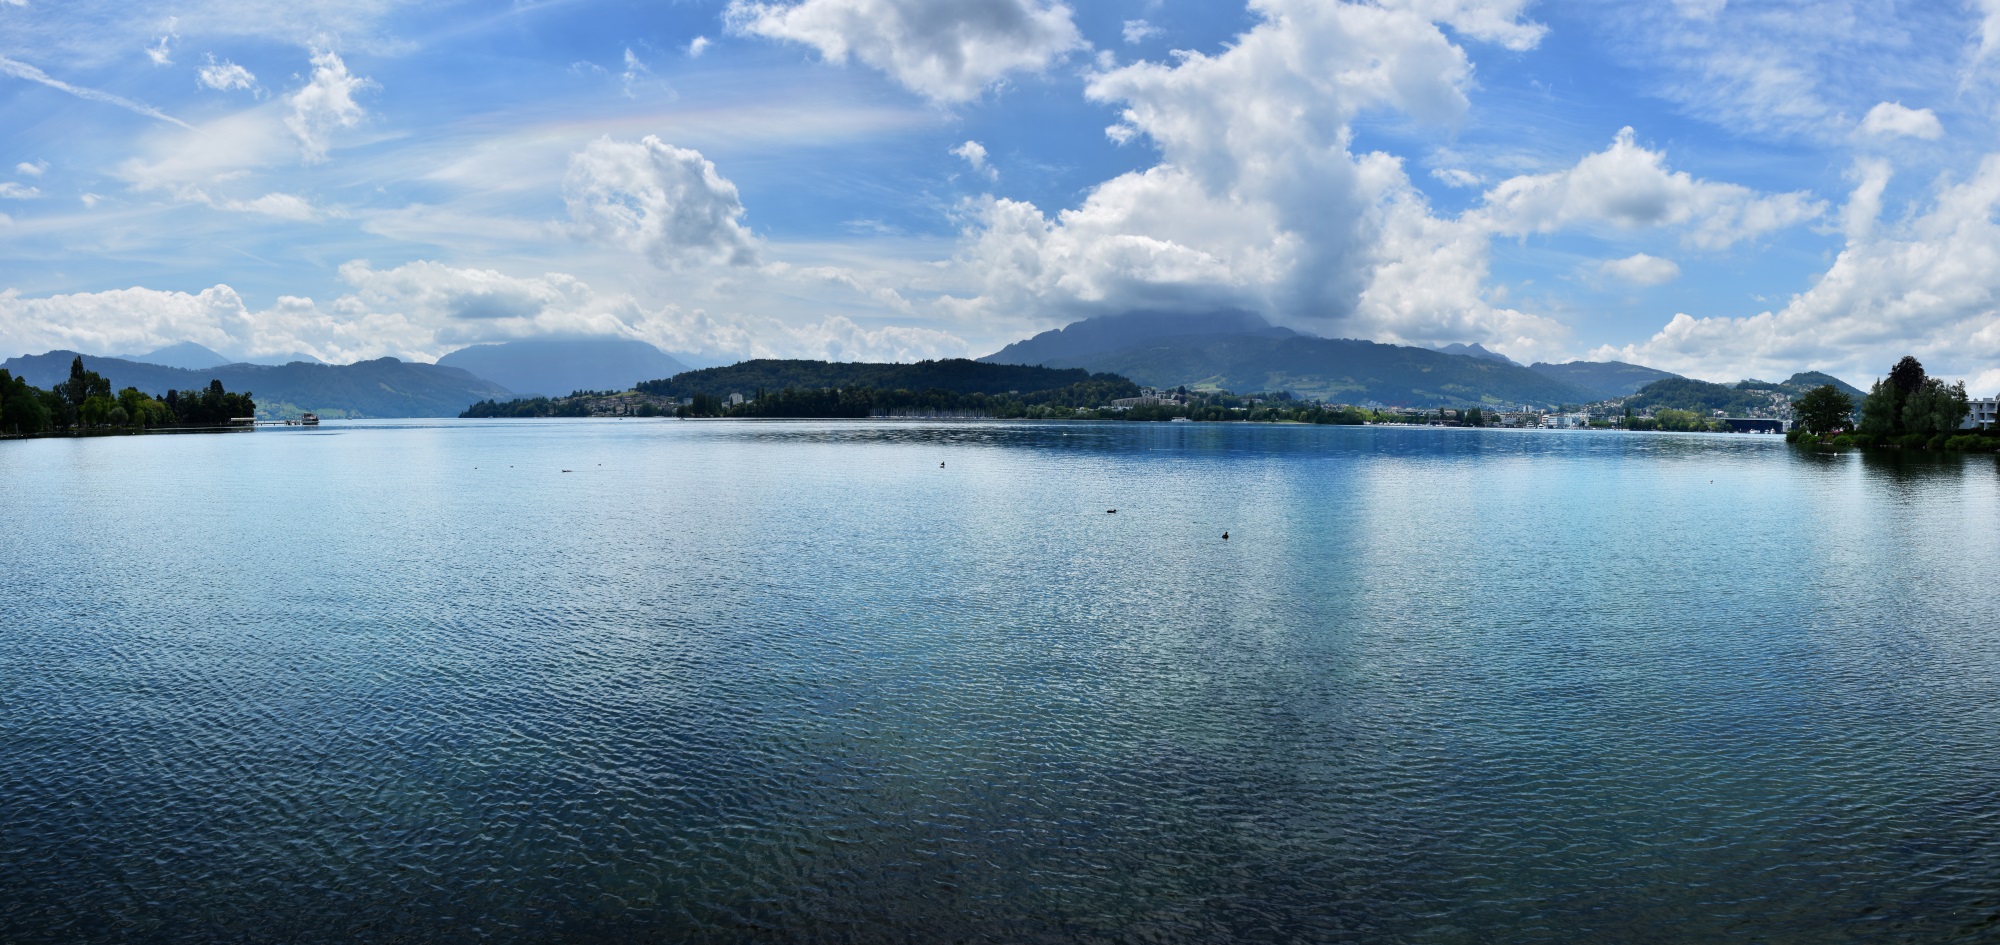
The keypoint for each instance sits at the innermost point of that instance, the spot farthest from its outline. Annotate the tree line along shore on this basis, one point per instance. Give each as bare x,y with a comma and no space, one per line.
85,405
1907,410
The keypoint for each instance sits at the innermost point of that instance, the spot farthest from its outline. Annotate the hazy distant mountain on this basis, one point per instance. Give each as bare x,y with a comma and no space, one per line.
1474,350
1240,352
1608,378
553,367
384,387
187,355
1070,345
193,357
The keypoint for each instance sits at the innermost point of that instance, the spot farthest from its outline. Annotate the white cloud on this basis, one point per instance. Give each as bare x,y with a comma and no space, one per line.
1858,217
697,46
1641,269
1892,120
90,201
1138,31
634,71
1457,177
122,320
13,191
664,202
944,50
224,76
1629,187
422,309
1929,286
325,104
26,169
1989,26
22,70
1257,202
974,154
1491,21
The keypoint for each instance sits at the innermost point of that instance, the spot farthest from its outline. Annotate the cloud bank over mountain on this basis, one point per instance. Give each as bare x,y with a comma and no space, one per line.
1709,188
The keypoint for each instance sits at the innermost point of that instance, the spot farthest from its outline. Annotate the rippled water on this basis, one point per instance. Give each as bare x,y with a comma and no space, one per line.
794,681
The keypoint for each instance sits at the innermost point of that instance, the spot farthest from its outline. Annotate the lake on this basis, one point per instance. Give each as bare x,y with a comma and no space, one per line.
581,681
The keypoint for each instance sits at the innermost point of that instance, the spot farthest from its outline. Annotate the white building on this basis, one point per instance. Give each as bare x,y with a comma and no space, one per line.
1985,413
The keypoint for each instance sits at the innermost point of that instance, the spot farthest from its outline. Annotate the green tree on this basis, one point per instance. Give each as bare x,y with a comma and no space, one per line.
1935,408
1823,410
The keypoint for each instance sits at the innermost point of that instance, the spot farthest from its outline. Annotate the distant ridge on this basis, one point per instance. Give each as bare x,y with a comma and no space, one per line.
1108,333
1241,352
1610,379
554,367
1474,350
957,375
193,357
187,355
384,387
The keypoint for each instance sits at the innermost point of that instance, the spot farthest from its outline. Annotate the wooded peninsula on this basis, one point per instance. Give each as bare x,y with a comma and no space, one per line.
84,404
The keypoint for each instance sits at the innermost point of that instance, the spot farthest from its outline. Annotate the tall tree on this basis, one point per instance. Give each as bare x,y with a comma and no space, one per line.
1823,410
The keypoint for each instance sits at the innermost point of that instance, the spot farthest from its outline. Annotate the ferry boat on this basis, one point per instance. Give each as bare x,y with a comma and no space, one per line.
309,420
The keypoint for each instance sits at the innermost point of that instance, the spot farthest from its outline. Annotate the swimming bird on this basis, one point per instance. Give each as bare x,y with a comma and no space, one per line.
1225,536
1111,511
940,465
565,470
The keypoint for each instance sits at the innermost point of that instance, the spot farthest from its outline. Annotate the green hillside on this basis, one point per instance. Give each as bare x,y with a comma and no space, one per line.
1337,370
957,375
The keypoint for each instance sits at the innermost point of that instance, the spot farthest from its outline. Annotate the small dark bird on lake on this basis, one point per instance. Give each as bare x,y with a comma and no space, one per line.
1111,511
940,465
565,470
1225,536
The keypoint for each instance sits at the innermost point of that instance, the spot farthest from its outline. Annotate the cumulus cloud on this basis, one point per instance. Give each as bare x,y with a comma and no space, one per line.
13,191
423,309
122,320
1257,202
944,50
1629,187
1641,269
224,76
35,169
697,46
1892,120
1865,204
325,104
660,201
1138,31
1928,286
974,154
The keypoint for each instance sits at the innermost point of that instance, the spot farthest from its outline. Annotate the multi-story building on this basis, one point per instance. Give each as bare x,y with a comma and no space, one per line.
1985,413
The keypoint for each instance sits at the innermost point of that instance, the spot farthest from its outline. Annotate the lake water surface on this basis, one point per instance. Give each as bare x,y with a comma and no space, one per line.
412,681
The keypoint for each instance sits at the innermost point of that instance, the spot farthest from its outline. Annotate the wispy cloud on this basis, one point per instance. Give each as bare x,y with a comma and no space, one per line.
22,70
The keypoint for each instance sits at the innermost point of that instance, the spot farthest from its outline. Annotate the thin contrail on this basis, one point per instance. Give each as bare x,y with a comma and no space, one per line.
22,70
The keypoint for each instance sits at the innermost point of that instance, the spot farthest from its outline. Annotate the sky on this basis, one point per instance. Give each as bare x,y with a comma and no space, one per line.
1719,188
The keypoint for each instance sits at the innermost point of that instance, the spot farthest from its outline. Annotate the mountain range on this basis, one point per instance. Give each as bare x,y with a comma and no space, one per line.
384,387
553,367
1241,352
194,357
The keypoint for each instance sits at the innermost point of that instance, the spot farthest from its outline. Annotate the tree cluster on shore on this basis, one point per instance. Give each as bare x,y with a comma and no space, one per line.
1908,410
84,403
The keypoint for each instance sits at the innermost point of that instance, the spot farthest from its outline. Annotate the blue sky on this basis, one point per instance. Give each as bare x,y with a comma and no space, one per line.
1719,188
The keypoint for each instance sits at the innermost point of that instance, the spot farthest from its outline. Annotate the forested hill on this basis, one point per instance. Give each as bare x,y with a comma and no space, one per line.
957,375
384,387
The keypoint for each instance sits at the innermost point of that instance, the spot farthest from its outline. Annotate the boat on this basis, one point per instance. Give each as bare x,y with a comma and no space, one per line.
309,420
